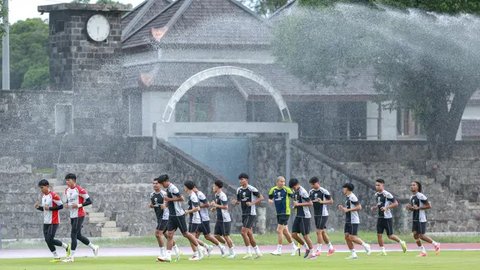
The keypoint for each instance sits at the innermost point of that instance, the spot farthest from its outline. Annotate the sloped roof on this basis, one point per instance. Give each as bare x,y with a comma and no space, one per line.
199,22
170,75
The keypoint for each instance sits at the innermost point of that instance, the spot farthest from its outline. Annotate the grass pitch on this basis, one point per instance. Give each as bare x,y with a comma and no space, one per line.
447,260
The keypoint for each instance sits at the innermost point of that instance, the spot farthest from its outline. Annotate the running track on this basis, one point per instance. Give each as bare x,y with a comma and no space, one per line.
138,251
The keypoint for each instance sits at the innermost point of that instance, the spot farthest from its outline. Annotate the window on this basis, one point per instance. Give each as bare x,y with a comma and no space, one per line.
193,109
63,119
406,124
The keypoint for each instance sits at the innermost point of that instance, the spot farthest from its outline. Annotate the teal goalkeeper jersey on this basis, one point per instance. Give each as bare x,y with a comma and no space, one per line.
281,198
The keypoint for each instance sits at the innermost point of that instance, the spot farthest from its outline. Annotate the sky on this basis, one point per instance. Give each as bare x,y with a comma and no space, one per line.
23,9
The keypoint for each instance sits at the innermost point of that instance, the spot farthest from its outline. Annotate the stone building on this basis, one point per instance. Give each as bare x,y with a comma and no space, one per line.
199,76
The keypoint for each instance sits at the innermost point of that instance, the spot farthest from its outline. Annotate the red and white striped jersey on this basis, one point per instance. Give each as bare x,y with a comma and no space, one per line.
76,195
51,199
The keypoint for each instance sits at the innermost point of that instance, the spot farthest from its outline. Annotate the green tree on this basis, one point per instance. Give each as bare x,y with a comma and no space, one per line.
107,2
81,1
264,7
3,12
421,62
29,54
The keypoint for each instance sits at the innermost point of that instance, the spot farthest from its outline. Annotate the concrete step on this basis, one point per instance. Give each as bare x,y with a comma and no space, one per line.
110,224
110,230
115,234
98,219
96,214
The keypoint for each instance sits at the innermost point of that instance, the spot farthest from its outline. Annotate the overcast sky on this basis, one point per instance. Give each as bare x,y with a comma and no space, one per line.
23,9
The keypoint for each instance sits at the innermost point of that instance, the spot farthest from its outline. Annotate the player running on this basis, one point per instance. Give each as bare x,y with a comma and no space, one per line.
50,205
77,198
176,219
280,196
385,202
161,211
321,198
195,221
352,220
204,228
301,224
248,197
223,222
418,204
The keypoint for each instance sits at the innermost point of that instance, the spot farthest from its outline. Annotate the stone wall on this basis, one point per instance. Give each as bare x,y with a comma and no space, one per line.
122,190
269,160
450,185
405,152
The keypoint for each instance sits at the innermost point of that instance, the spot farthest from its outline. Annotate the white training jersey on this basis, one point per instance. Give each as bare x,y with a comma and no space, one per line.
384,199
352,216
204,215
51,200
193,202
165,211
174,208
419,199
222,214
76,195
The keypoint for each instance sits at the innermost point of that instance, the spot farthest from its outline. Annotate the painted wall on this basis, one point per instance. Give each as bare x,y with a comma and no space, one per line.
153,106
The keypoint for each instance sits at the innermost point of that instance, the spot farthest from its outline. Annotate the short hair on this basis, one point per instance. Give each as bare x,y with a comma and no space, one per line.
314,180
157,179
43,183
219,183
280,178
293,182
243,175
349,186
71,176
163,178
380,180
189,184
419,185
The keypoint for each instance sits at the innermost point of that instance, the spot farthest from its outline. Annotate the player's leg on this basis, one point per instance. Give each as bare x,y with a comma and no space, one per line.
47,234
393,237
305,231
380,229
422,235
325,237
318,231
73,237
84,239
289,238
280,229
415,231
296,229
225,232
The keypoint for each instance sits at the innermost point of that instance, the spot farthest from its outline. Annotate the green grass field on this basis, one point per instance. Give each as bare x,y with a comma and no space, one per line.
264,239
395,260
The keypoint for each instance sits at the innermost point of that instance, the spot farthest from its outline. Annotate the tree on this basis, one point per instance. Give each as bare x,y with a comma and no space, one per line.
3,13
107,2
264,7
427,63
81,1
29,54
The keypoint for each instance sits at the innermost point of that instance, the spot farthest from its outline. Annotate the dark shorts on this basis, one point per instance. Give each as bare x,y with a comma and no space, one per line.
248,221
321,222
282,219
204,227
419,227
301,225
193,227
351,229
177,222
162,225
222,228
385,224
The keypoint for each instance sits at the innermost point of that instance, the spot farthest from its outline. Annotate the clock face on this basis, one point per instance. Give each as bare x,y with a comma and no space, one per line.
98,28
